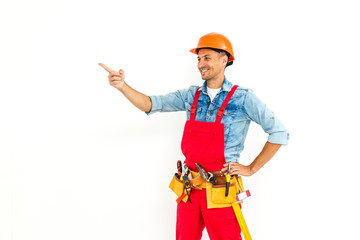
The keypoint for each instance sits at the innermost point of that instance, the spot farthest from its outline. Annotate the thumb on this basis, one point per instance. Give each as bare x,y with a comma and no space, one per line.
121,71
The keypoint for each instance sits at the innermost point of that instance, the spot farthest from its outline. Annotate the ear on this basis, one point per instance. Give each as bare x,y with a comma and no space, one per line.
224,59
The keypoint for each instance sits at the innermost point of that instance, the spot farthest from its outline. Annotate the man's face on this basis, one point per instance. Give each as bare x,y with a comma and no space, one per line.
211,64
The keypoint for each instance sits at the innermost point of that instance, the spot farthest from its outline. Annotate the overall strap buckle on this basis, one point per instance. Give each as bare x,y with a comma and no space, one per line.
220,112
193,110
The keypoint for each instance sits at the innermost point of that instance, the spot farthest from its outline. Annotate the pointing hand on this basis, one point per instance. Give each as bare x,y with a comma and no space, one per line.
116,79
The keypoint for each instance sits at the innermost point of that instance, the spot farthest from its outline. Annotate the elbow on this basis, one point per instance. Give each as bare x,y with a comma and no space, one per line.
148,105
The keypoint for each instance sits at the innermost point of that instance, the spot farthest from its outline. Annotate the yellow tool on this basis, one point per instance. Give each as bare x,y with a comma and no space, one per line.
228,176
241,220
238,213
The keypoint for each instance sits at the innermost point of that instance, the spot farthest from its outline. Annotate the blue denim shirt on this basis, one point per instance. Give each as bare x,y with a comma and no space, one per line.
243,107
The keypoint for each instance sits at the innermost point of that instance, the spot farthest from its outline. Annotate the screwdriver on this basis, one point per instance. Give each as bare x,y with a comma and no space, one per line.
228,176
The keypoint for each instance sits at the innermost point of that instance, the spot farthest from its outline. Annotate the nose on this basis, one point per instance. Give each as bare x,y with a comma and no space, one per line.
201,63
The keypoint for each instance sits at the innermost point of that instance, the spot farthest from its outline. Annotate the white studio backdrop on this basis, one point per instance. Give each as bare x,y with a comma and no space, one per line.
77,161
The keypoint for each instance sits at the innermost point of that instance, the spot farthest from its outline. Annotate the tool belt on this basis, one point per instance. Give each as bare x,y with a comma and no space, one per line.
215,194
220,191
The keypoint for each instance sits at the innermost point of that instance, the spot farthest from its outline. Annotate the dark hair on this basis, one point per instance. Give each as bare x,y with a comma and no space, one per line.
219,51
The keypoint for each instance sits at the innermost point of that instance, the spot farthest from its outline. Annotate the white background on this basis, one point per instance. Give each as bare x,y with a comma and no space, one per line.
78,161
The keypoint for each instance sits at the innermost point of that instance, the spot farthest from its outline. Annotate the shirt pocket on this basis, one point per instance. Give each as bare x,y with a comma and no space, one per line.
233,115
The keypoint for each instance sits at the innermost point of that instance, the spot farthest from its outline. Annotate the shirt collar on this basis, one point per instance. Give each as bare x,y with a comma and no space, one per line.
225,87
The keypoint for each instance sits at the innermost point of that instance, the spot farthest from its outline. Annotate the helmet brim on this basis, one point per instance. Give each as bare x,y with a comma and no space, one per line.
195,51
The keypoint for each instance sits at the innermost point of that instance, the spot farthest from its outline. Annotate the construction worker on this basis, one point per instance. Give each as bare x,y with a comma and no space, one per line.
218,118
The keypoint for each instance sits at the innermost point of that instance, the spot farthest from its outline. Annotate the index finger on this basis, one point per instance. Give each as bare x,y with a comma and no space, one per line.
106,68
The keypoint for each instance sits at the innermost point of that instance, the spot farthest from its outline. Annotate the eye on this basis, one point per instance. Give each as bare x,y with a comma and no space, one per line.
207,58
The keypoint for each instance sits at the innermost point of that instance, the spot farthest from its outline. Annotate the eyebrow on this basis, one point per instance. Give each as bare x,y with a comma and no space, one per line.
205,55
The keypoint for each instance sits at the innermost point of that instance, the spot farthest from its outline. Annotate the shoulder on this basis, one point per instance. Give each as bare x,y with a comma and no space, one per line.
193,88
191,91
242,92
188,93
242,96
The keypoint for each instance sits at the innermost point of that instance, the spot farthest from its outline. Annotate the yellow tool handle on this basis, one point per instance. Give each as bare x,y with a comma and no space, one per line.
241,220
227,184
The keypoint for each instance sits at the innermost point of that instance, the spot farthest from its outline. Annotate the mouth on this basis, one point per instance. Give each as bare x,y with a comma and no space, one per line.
204,70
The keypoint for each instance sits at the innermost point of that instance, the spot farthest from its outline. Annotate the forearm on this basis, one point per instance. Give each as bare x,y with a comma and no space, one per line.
138,99
265,155
117,80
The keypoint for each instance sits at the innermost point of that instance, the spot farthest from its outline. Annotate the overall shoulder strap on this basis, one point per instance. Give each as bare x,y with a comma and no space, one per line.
221,110
194,105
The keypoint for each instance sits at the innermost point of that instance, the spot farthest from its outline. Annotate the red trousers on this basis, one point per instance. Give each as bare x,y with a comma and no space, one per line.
192,218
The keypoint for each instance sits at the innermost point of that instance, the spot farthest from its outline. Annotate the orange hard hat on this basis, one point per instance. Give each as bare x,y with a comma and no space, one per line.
217,41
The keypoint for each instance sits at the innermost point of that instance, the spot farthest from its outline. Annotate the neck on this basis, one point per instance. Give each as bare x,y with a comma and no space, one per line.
215,82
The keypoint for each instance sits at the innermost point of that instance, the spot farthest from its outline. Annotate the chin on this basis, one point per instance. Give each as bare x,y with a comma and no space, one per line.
204,77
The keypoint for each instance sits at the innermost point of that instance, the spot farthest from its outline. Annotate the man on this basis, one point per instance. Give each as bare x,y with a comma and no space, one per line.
219,115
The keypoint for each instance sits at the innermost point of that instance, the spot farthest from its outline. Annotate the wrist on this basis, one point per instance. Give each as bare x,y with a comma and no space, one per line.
122,87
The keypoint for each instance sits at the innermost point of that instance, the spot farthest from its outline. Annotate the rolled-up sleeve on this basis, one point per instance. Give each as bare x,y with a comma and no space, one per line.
170,102
259,113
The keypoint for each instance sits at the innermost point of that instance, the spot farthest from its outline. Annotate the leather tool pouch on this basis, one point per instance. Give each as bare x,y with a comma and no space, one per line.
215,194
176,185
218,194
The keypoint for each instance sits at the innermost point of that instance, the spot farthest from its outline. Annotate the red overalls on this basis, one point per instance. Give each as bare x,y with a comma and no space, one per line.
203,142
